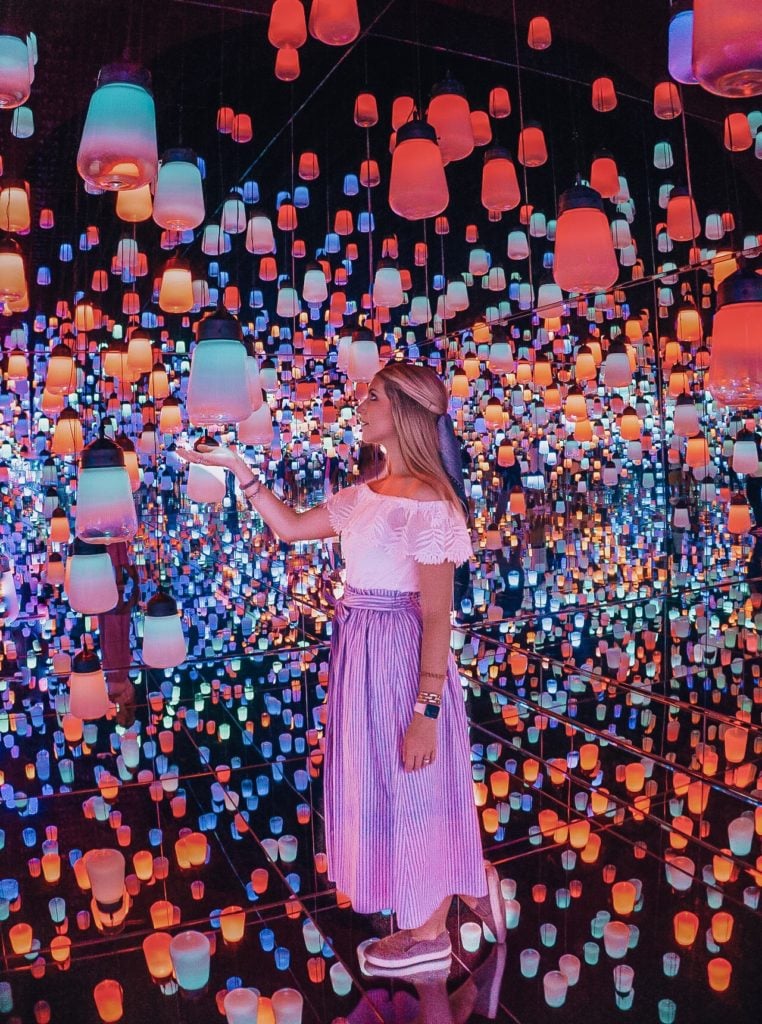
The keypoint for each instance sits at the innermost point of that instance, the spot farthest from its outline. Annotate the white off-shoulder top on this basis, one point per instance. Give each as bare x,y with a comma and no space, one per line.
384,538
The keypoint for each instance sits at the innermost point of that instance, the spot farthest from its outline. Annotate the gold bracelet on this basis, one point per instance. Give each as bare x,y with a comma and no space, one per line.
429,697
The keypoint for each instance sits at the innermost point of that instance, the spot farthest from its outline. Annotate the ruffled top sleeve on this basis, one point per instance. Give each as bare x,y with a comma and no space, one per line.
435,532
340,507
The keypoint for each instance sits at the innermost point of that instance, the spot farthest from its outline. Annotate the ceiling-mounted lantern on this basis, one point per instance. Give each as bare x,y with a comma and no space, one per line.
134,205
539,36
68,438
61,375
105,509
176,292
680,43
735,362
17,60
500,185
533,150
287,25
218,392
387,285
364,362
585,260
450,116
334,22
315,288
13,286
417,183
287,66
727,47
15,214
164,644
118,146
178,203
683,224
89,579
88,696
366,110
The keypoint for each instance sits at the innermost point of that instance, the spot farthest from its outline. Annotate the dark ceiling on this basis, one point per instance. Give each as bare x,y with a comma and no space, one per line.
203,53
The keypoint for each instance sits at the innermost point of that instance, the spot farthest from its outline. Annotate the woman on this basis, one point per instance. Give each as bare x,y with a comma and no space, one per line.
401,825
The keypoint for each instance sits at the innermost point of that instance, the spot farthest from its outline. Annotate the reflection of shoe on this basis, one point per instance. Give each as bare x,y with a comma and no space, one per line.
480,993
490,908
403,950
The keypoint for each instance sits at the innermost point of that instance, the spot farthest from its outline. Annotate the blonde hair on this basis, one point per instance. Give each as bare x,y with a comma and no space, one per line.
418,398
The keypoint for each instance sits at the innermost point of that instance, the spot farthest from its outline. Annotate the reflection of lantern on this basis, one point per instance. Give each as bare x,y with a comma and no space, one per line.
739,517
218,391
585,260
417,184
9,602
190,952
163,641
450,116
90,583
88,697
735,362
727,47
118,146
206,484
334,22
105,509
179,200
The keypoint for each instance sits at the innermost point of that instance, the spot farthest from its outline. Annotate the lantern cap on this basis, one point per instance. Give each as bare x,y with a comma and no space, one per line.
416,129
683,399
68,414
617,346
58,513
179,155
363,334
580,197
161,606
127,72
219,324
55,556
9,244
740,286
124,442
448,86
86,661
170,400
102,454
207,441
497,153
738,499
83,547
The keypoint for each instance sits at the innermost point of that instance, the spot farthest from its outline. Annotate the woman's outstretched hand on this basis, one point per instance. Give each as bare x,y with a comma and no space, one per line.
419,746
211,455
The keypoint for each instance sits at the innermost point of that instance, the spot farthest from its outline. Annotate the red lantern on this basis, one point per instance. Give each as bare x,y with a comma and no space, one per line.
727,47
735,364
500,186
287,25
585,260
450,116
417,185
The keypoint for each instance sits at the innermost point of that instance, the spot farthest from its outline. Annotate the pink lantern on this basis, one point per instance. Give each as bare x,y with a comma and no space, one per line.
417,184
585,260
88,697
163,641
105,509
89,580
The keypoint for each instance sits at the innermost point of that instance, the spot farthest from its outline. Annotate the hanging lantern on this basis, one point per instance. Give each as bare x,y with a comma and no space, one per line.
604,175
170,417
68,438
366,110
163,641
739,515
18,367
532,151
287,25
287,67
450,116
499,102
617,371
686,418
206,484
13,286
259,235
15,214
178,203
387,285
735,363
727,48
315,288
176,292
9,602
88,696
257,429
139,359
118,146
60,533
334,22
417,183
17,60
134,205
604,95
364,362
539,36
680,44
89,580
217,389
500,186
105,509
683,224
585,260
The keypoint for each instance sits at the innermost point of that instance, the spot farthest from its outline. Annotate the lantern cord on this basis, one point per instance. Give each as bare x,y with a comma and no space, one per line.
520,94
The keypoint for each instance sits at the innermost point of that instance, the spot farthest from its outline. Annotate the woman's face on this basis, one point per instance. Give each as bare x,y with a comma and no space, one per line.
375,414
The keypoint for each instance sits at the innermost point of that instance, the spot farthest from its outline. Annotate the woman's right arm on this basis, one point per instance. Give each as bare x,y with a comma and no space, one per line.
288,525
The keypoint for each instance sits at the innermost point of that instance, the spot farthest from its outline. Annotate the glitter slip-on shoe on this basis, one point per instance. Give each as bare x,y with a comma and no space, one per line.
402,950
491,908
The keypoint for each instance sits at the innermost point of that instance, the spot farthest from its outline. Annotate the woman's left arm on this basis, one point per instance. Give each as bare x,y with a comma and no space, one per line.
435,587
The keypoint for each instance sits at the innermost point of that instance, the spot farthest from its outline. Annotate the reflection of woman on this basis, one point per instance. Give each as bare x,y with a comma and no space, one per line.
402,831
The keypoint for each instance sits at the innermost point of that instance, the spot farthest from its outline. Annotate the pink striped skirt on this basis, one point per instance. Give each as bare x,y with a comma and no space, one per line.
395,840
